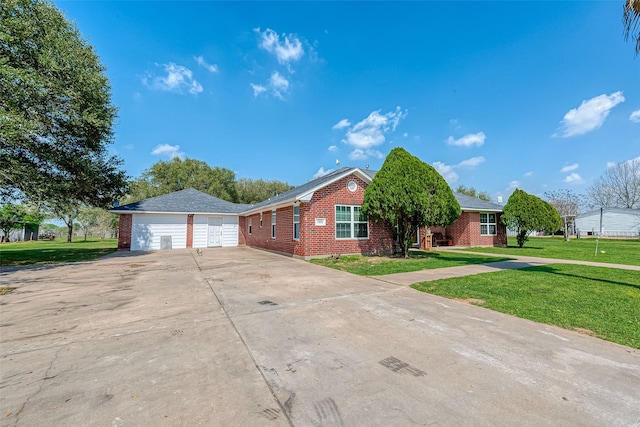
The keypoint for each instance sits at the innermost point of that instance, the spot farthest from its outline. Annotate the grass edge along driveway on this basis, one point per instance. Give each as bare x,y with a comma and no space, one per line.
418,260
611,251
600,301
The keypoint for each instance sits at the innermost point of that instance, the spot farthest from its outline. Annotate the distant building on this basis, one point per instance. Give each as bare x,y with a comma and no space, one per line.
615,222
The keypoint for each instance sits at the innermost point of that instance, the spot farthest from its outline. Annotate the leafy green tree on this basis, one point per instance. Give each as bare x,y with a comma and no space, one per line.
525,213
631,20
87,219
15,216
470,191
67,211
411,194
251,191
56,114
166,177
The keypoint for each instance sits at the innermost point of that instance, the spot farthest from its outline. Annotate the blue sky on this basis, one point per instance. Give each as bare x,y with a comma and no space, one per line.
496,95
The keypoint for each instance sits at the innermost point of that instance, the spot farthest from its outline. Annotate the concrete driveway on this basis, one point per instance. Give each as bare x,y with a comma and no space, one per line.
240,337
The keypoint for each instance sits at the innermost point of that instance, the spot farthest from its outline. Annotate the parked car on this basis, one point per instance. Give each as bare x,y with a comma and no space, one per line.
47,236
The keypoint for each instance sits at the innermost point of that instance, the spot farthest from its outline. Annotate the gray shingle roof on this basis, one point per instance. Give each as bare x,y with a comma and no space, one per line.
303,189
194,201
468,203
183,201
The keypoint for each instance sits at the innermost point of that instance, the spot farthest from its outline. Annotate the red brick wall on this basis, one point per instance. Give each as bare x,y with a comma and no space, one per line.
261,236
124,231
317,240
190,230
465,231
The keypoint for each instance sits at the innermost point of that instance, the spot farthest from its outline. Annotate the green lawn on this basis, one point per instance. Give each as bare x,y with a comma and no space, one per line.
609,250
52,252
604,302
419,260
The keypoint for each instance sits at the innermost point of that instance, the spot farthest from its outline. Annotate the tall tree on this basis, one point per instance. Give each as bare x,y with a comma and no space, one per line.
631,19
88,219
411,194
471,191
251,191
166,177
525,213
56,113
567,204
15,216
618,187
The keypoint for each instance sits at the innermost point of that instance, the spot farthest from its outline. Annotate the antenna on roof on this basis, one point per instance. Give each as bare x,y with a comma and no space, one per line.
366,167
337,162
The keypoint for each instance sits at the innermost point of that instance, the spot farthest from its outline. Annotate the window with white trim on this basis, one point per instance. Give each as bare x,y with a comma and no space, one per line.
351,223
273,224
250,224
296,222
260,219
488,224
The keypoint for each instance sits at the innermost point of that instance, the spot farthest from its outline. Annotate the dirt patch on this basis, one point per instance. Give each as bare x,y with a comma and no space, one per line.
585,331
474,301
135,265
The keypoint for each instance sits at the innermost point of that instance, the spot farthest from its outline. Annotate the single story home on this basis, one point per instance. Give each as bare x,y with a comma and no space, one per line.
614,221
319,218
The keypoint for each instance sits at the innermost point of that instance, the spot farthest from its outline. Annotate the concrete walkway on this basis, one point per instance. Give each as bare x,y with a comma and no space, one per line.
406,279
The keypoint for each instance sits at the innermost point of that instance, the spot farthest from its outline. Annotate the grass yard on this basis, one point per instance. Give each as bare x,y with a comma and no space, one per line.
418,260
612,251
604,302
52,252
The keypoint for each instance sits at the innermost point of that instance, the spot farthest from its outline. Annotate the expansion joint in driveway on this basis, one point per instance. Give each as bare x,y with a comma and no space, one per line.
283,407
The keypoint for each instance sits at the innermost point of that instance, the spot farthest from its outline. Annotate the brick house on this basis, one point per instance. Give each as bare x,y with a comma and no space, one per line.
319,218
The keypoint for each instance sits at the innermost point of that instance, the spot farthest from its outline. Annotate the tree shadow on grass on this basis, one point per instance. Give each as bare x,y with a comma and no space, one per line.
554,270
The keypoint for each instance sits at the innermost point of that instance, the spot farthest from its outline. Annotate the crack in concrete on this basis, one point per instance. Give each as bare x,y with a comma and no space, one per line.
44,380
285,408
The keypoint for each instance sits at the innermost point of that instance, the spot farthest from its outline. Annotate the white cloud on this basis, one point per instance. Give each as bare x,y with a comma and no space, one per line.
179,79
371,132
610,164
321,172
170,151
344,123
287,50
447,172
573,178
468,140
201,62
360,154
569,168
513,185
472,162
590,115
333,148
635,116
277,85
528,173
405,135
258,89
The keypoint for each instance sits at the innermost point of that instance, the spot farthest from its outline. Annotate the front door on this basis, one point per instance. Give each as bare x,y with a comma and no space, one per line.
215,231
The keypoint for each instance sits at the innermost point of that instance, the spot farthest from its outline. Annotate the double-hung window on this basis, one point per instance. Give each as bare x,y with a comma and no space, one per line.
351,223
273,224
488,224
296,222
250,224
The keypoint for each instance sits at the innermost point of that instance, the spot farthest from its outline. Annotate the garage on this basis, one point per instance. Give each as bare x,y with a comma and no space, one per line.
158,231
183,219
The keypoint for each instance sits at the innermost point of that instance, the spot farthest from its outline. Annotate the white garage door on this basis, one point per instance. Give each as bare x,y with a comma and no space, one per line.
158,231
223,231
